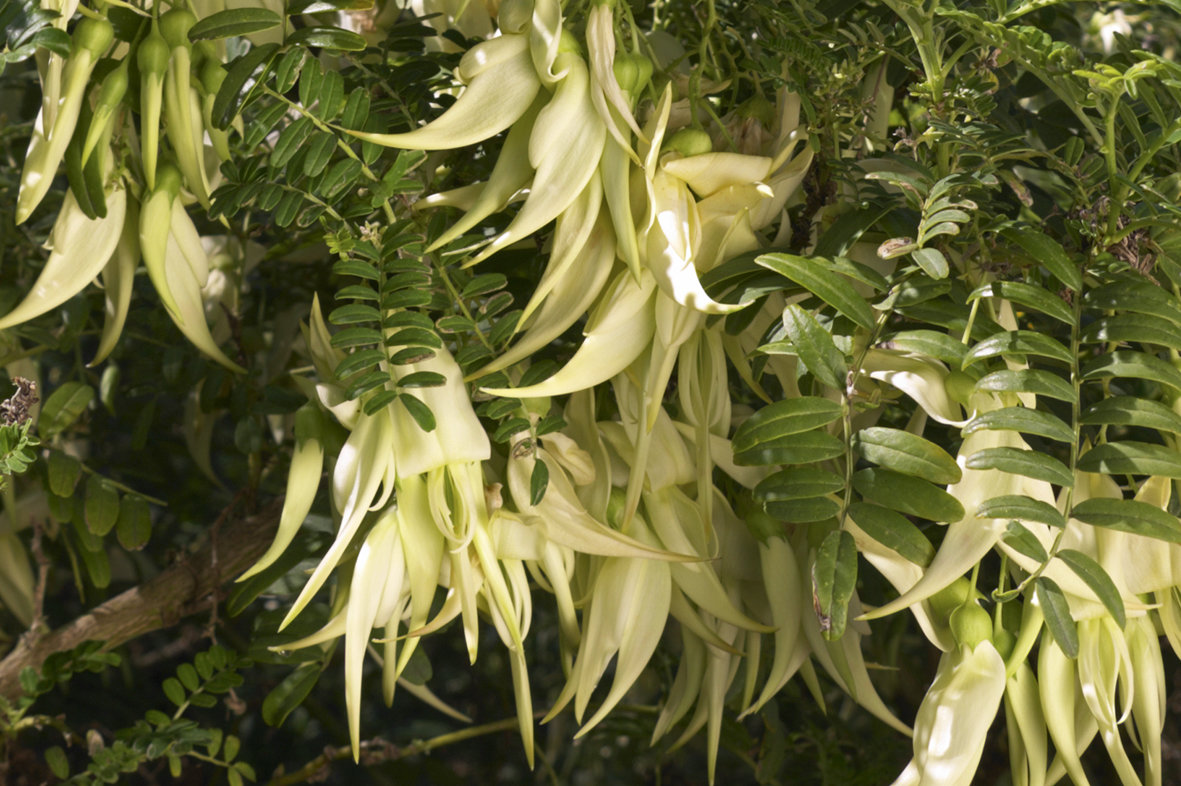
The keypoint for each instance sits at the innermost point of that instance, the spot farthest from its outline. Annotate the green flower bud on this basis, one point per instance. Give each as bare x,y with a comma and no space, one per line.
626,72
763,526
690,142
93,36
971,625
175,26
947,599
152,55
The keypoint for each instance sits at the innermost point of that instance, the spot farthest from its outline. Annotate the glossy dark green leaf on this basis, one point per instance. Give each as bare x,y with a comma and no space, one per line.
291,140
1132,458
1024,420
1043,250
798,483
932,261
1138,328
1036,381
1135,295
358,361
355,336
1029,297
419,411
834,577
815,348
1018,461
1132,411
785,417
803,511
234,22
1134,365
806,448
1129,515
1017,343
931,343
232,94
906,494
814,275
290,693
1057,613
353,314
1018,537
907,453
894,531
1097,579
1019,506
422,379
327,38
538,482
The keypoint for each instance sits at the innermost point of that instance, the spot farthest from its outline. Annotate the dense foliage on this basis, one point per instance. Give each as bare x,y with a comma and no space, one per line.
764,391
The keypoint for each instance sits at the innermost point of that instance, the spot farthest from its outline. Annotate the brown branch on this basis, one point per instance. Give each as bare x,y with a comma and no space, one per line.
187,587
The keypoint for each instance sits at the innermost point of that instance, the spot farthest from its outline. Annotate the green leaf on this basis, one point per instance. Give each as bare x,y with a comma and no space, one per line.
330,98
1129,515
928,342
834,577
419,411
290,693
894,531
358,361
1018,506
907,453
803,511
798,483
1097,579
187,674
1131,411
356,268
483,284
806,448
134,527
234,22
356,336
291,140
1020,343
63,471
1134,365
783,418
1036,381
1132,328
63,407
422,379
814,276
1024,420
1019,461
1135,295
327,38
1042,250
233,745
538,482
815,347
1057,613
932,261
101,506
174,691
234,90
58,764
1019,538
909,495
1028,296
1132,458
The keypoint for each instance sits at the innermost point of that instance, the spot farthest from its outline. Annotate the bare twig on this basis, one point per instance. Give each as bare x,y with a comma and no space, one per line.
185,588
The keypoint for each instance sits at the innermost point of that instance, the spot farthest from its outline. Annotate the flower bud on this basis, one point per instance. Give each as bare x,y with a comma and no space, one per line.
690,142
175,26
93,36
970,625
